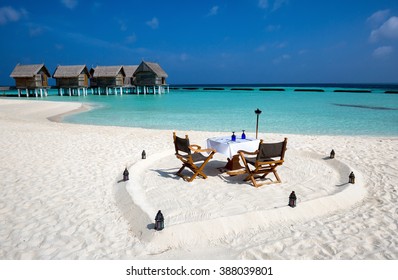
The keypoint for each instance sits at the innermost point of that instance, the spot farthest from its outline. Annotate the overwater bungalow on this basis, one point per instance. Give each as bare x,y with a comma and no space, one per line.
71,79
31,79
129,80
108,79
149,76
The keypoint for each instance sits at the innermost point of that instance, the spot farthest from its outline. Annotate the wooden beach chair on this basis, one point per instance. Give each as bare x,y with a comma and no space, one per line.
191,155
265,160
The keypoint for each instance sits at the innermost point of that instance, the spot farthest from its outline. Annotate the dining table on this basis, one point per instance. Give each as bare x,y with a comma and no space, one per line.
228,147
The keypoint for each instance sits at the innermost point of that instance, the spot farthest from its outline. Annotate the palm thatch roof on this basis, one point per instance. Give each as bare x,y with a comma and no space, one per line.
151,67
28,71
129,70
108,71
70,71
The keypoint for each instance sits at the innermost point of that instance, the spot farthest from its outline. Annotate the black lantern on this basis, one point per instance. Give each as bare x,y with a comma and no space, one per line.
159,221
125,174
143,155
332,154
292,199
351,178
258,112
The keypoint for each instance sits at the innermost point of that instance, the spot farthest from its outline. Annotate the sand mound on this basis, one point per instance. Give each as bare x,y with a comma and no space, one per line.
224,205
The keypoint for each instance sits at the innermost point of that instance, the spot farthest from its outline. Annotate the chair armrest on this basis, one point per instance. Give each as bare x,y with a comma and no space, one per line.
278,161
248,153
243,158
205,151
194,147
198,149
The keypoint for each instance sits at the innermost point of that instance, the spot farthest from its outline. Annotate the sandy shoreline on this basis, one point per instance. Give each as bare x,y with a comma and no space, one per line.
60,195
59,117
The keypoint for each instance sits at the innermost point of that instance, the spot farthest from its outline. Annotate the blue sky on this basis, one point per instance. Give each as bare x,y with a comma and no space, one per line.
251,41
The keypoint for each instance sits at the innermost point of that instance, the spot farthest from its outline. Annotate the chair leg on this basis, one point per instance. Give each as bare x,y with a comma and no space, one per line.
180,170
277,176
255,184
199,170
192,178
250,176
203,175
247,178
195,170
261,172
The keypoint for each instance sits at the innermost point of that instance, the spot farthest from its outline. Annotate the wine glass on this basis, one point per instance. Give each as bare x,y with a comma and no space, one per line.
243,134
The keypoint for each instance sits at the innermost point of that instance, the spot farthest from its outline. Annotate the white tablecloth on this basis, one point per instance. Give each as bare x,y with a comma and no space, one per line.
226,146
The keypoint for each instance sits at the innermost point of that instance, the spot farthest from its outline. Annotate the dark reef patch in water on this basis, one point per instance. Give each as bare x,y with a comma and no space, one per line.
309,89
365,107
213,88
242,89
272,89
353,90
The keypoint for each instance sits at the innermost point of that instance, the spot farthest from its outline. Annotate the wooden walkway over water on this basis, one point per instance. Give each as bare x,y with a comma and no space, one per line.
43,92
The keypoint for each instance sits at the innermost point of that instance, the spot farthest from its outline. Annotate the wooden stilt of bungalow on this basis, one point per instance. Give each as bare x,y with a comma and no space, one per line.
109,79
148,76
32,78
73,79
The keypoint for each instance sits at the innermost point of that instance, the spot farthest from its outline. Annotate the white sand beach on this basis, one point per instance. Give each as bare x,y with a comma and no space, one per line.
61,195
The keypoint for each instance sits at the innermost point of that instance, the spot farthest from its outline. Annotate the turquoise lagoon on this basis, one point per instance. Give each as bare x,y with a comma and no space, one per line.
297,110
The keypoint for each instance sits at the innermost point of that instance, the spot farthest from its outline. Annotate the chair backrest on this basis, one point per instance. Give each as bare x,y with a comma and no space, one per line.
181,144
271,150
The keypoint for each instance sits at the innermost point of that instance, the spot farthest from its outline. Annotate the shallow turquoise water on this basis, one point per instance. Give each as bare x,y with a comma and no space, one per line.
328,112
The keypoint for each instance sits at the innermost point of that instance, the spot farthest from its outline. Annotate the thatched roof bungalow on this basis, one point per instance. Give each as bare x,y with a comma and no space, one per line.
75,76
129,71
33,76
107,76
150,74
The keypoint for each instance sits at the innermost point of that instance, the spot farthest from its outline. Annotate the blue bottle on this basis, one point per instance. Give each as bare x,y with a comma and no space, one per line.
233,137
243,134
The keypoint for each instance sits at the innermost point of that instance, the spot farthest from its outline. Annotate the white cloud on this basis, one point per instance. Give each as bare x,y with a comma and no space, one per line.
281,58
59,46
378,17
8,14
35,31
184,57
262,48
131,39
153,23
84,39
388,30
383,51
122,24
302,52
213,11
272,28
272,46
70,4
263,4
279,3
280,45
